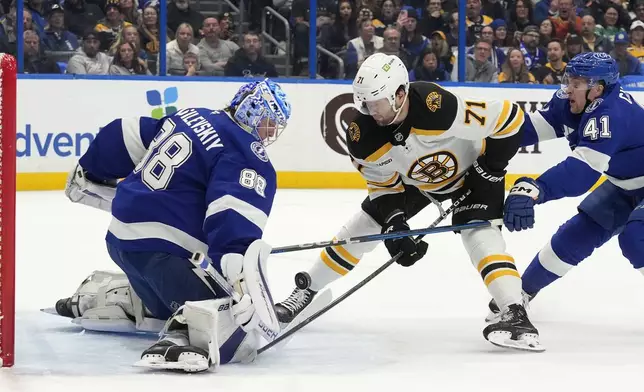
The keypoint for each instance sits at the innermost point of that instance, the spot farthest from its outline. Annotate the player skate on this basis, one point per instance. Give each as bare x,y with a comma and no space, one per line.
288,309
514,330
495,311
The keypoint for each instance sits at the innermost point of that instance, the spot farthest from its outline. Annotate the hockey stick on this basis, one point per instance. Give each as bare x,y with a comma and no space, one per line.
377,272
379,237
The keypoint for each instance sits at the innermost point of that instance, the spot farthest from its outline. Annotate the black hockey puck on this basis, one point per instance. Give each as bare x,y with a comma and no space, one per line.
302,280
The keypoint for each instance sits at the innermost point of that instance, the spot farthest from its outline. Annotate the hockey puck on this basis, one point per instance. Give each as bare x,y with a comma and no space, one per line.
302,280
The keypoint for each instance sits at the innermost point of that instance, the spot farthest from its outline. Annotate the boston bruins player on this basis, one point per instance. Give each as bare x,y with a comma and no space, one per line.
416,141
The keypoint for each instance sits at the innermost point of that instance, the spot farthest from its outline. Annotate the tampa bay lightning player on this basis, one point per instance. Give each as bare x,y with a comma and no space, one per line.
601,122
197,181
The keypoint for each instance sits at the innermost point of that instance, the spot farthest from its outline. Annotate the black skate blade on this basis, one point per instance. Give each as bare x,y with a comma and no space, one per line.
525,342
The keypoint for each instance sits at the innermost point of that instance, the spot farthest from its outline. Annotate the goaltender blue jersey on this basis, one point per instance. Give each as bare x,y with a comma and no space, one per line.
605,139
193,181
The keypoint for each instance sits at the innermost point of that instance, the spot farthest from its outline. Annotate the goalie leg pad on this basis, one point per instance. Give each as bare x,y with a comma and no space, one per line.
106,302
213,338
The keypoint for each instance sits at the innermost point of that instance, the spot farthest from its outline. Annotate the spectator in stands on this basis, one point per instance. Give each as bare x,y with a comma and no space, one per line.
38,9
628,65
611,25
358,49
554,69
8,29
149,31
129,34
56,38
593,42
497,55
35,61
546,31
428,69
386,18
391,45
520,18
81,16
638,10
567,22
451,35
546,9
479,68
343,29
443,52
248,61
191,64
89,60
177,48
535,55
495,9
129,10
475,20
574,46
226,27
371,5
433,18
109,28
636,48
412,40
214,52
125,61
179,12
515,69
501,38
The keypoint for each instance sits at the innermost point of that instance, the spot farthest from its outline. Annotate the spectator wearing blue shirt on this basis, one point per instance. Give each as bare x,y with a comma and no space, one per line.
628,64
56,37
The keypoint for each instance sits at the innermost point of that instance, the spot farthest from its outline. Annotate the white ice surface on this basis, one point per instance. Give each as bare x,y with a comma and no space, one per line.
409,329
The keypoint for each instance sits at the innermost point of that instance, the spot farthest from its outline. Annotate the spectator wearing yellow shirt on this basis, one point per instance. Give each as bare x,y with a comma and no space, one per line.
110,27
515,70
636,47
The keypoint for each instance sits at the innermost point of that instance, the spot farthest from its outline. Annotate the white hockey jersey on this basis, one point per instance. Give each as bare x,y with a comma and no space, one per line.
432,149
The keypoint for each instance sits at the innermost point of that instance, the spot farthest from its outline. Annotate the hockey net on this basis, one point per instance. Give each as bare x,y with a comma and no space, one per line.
7,206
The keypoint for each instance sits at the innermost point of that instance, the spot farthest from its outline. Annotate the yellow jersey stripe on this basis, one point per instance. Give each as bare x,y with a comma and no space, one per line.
331,264
345,254
503,116
492,258
379,152
495,275
516,123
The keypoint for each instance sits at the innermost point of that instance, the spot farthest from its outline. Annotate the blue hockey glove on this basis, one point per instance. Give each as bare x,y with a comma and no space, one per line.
518,211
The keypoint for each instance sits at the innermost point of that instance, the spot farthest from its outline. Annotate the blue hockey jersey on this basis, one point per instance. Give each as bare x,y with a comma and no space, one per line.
193,181
604,139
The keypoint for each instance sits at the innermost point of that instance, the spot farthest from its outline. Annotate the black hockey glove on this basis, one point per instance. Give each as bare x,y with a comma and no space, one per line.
412,251
481,178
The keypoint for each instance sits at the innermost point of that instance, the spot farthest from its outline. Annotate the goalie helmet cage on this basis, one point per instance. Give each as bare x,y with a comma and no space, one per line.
7,207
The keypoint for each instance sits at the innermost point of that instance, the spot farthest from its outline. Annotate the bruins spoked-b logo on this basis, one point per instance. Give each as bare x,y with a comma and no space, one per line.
336,118
434,168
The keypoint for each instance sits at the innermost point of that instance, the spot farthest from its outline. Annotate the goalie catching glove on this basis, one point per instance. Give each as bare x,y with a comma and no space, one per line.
82,188
412,251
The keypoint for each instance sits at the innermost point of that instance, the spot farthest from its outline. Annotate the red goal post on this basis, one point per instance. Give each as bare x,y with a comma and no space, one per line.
7,207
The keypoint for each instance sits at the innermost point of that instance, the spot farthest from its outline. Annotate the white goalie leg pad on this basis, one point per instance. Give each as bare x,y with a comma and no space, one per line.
106,302
247,275
79,189
211,327
497,268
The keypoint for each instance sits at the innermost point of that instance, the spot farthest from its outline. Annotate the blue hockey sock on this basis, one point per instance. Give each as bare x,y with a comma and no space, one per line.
573,242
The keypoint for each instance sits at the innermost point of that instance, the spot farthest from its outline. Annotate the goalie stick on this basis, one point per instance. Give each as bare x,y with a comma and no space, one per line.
288,334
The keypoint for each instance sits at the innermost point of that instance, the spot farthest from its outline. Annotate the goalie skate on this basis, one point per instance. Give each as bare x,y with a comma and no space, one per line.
514,330
167,355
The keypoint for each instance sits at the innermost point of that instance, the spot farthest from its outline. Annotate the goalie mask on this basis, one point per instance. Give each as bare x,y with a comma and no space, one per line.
262,109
